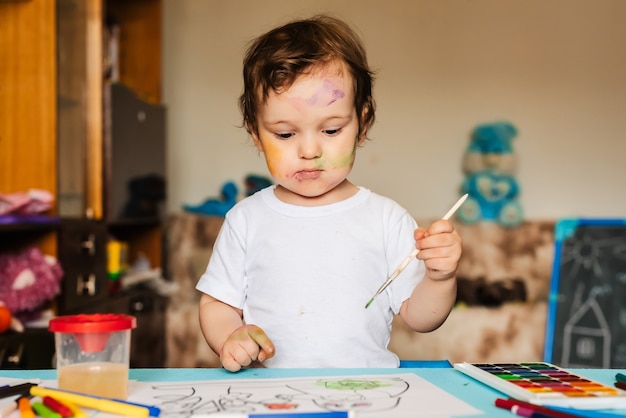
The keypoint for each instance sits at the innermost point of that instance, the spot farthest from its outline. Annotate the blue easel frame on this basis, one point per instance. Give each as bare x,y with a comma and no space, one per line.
564,229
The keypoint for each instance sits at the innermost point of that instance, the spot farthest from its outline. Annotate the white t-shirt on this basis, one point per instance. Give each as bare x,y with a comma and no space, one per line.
304,275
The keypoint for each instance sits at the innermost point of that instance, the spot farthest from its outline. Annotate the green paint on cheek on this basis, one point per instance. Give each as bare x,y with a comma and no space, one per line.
343,161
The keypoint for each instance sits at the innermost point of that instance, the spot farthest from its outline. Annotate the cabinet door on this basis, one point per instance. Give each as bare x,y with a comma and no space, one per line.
84,28
80,81
27,96
28,102
135,157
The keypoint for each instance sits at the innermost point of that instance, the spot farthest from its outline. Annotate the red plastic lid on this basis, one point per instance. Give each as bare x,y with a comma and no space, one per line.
92,331
92,323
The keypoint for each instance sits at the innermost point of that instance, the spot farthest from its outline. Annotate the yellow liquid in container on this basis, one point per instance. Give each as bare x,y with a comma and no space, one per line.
101,379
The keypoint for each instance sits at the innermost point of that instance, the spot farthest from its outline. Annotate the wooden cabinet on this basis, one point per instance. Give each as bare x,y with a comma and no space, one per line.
53,124
56,131
106,47
28,121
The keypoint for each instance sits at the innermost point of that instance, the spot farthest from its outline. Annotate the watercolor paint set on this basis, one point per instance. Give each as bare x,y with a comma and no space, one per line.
543,383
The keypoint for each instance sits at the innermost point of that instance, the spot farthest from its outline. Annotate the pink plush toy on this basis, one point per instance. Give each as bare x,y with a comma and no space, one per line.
27,280
33,201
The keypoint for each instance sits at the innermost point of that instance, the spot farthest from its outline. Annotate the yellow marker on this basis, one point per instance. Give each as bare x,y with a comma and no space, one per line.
101,404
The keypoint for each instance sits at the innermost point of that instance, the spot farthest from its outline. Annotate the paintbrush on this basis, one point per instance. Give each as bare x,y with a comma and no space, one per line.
413,254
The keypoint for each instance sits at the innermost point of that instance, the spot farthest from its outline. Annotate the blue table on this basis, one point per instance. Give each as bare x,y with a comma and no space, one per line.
438,372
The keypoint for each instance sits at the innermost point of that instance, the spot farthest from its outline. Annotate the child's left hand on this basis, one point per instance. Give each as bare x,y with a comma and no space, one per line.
440,247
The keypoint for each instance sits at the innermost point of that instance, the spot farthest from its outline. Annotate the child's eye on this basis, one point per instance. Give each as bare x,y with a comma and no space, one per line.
332,132
283,135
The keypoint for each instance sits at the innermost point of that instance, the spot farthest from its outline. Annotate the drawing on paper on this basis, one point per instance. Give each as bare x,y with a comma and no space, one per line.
323,394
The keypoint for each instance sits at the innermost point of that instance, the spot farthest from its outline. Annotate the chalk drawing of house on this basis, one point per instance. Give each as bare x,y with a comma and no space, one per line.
587,338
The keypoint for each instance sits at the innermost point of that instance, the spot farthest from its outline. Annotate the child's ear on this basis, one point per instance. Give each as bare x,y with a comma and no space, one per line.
257,141
363,127
361,138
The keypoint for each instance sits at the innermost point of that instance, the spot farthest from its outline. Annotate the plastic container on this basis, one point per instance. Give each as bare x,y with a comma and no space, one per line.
93,353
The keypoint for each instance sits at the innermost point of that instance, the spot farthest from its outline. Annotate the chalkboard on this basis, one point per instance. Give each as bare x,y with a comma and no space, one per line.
586,325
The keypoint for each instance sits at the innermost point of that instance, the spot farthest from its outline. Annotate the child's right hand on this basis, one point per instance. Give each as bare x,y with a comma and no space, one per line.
246,344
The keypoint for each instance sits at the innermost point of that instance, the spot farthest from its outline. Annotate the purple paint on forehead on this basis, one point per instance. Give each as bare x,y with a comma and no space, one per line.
312,100
329,87
336,94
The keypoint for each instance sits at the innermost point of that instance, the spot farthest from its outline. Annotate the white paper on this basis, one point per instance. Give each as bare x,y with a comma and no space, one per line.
368,396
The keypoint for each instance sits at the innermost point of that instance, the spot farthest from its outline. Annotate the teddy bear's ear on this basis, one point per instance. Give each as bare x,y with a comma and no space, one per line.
494,137
508,130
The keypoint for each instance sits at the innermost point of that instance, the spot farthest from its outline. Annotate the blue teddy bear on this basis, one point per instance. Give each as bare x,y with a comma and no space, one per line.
489,165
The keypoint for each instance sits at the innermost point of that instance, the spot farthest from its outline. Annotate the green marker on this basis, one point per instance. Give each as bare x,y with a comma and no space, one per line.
43,411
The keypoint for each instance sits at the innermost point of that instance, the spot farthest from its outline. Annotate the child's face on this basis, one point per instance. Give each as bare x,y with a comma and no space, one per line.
308,135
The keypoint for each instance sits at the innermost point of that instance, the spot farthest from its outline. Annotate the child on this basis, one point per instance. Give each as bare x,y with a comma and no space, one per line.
295,263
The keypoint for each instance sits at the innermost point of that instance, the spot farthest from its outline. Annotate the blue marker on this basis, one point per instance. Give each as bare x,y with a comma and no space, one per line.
327,414
154,411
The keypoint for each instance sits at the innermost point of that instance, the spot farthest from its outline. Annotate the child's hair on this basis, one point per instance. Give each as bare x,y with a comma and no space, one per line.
274,61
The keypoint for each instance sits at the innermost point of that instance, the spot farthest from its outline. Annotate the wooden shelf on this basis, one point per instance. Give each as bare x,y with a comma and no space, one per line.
144,237
19,235
26,223
139,45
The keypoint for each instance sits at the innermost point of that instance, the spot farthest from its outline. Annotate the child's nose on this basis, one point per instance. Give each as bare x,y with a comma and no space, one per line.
309,148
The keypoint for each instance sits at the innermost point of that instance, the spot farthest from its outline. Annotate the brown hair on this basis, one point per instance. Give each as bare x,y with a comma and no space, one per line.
275,59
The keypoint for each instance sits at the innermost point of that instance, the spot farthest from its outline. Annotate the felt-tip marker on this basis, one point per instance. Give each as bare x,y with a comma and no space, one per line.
324,414
528,412
620,385
516,404
21,389
101,404
57,407
43,411
23,405
76,411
